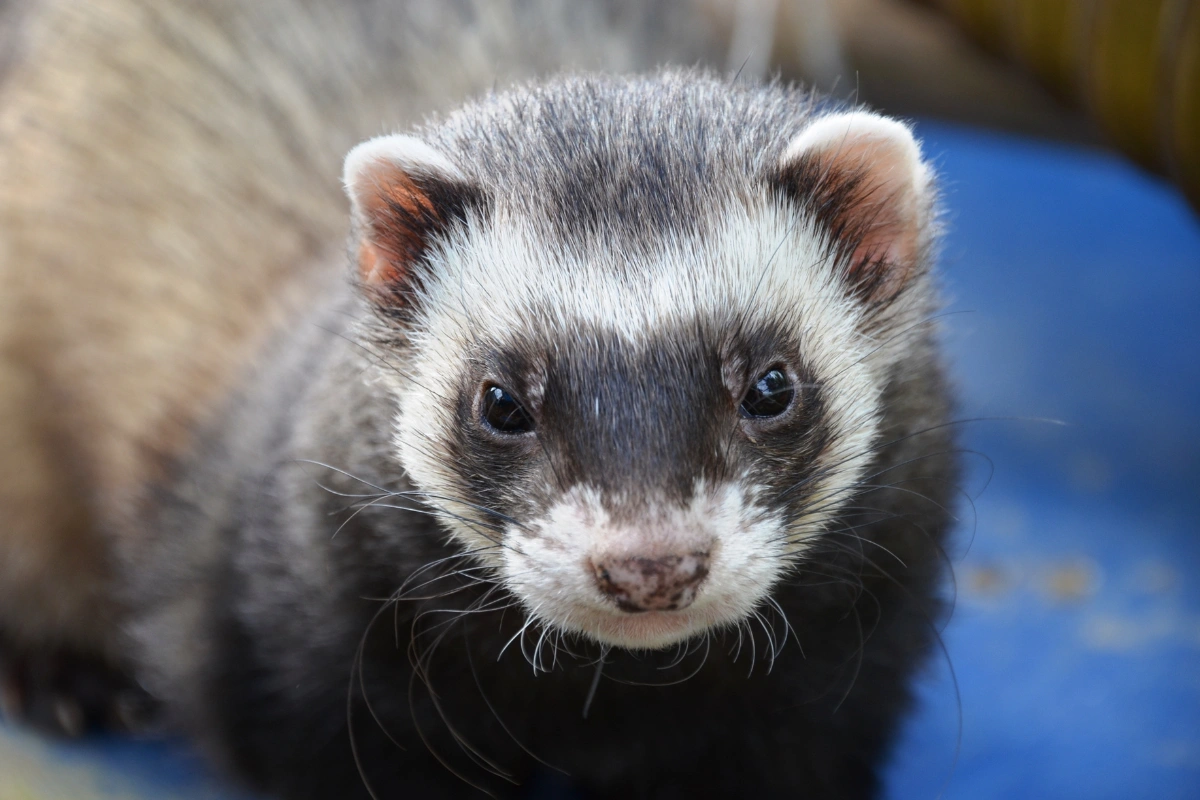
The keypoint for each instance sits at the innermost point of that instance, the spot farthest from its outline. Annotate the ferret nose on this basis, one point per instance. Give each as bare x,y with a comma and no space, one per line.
667,583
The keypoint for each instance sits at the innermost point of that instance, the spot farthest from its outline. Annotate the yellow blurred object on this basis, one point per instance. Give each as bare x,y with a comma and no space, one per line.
1123,83
1133,64
1183,116
1045,36
983,19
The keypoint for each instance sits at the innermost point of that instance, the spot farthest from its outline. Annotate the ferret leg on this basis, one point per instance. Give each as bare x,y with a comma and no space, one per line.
69,693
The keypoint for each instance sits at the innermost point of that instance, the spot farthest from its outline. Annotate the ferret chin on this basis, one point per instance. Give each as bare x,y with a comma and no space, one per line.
653,576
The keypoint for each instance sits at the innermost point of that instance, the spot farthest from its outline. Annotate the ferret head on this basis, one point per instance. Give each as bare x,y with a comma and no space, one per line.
638,332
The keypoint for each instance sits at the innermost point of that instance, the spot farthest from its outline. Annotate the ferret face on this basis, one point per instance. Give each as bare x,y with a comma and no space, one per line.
639,437
652,441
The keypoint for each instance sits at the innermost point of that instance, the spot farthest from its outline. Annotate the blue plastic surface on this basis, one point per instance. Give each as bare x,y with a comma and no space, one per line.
1075,290
1076,638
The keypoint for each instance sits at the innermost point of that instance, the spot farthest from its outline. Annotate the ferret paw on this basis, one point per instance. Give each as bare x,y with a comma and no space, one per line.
70,694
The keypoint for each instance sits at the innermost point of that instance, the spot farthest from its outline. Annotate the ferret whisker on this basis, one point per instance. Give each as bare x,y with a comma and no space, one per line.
897,487
707,644
519,634
420,674
383,361
788,629
848,531
359,502
470,750
753,648
945,652
436,511
362,686
828,469
595,684
525,653
773,638
858,553
474,506
474,572
412,596
465,555
376,503
496,714
680,654
453,615
356,677
736,650
832,499
950,451
908,329
773,648
341,472
858,658
537,651
941,551
692,645
336,493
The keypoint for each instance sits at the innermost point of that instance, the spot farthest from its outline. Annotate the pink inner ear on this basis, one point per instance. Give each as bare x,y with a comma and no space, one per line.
374,268
863,176
887,223
396,214
885,218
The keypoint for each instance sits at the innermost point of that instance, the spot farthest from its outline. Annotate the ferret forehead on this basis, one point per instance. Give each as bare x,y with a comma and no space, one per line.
595,155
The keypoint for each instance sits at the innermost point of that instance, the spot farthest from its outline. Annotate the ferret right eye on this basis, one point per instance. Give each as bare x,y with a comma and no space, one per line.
770,396
503,414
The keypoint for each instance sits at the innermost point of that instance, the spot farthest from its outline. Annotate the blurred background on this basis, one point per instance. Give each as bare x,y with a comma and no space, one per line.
1067,137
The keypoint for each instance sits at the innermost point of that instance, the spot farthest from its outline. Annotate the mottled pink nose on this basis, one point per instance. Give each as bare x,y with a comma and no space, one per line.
667,583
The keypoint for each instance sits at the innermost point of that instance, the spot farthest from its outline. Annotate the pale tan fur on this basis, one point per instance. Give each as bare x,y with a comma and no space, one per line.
128,307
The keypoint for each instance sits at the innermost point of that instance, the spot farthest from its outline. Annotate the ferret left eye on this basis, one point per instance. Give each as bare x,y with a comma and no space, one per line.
503,413
770,396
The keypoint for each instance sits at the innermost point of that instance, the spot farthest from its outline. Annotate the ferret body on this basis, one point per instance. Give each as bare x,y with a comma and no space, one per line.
623,451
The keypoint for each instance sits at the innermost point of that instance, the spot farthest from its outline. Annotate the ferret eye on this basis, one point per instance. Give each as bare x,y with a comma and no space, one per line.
770,396
502,413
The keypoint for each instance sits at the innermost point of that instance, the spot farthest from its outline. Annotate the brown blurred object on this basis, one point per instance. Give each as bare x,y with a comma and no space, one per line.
801,38
900,57
1133,64
1183,118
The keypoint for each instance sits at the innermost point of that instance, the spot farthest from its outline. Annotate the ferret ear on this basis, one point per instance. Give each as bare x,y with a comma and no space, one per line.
861,176
404,195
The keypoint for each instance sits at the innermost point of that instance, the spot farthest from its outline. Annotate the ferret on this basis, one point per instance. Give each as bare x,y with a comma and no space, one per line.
622,448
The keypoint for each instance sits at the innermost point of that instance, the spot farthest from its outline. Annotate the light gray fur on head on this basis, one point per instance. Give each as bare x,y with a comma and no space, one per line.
638,157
